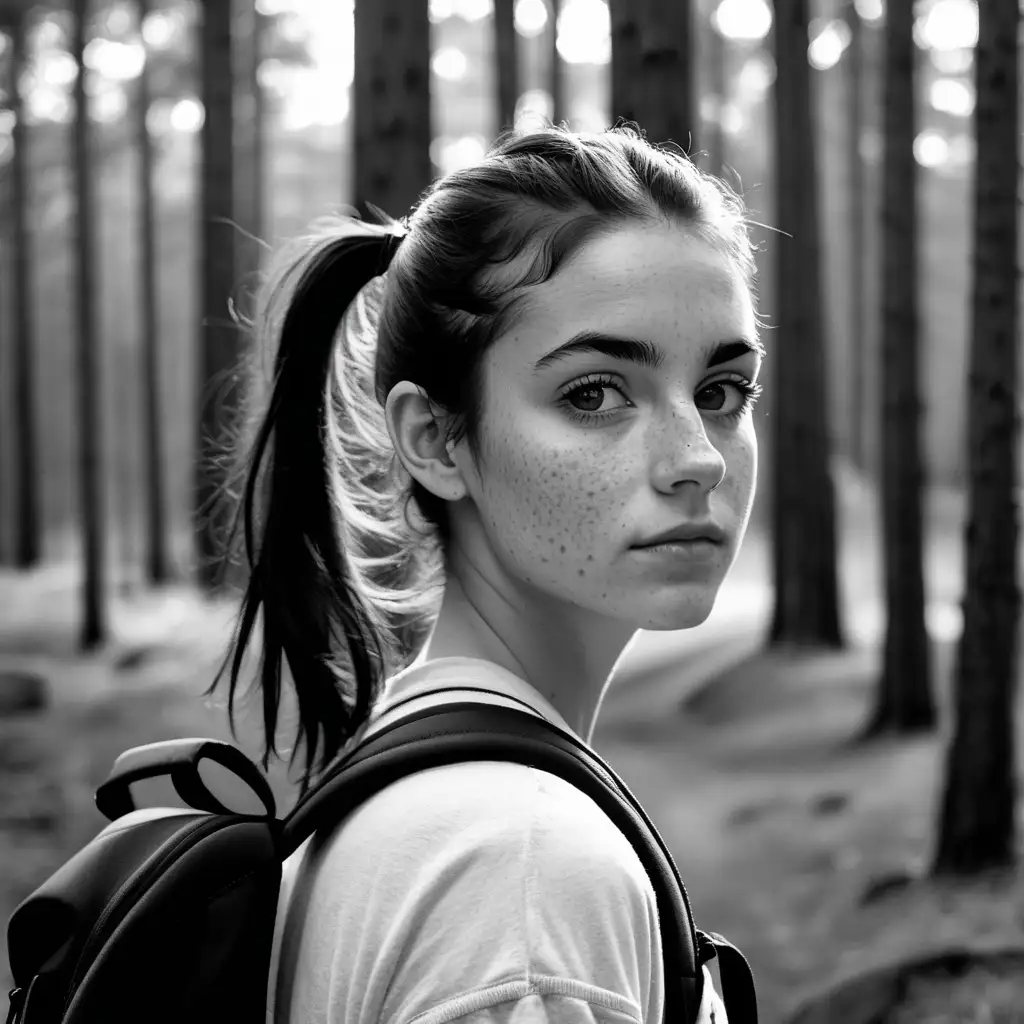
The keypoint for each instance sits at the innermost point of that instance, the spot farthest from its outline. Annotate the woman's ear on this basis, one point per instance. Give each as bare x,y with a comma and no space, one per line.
417,430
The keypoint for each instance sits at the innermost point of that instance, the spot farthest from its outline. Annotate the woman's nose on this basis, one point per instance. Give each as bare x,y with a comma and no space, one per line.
686,455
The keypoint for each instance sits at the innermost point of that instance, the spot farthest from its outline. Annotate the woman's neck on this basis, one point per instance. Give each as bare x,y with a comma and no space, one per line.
568,662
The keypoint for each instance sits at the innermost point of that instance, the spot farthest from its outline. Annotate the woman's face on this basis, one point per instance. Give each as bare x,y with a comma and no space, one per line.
615,409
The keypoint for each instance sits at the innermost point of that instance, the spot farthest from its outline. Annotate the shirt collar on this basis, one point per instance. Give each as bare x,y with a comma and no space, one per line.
424,678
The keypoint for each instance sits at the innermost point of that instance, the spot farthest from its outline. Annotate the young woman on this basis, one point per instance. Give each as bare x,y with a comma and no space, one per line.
516,426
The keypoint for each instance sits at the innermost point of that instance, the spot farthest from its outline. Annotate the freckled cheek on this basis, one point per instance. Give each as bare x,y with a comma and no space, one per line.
588,496
549,501
740,455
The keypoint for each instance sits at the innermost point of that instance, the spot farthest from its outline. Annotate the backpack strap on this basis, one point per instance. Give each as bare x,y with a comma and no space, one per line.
472,731
737,979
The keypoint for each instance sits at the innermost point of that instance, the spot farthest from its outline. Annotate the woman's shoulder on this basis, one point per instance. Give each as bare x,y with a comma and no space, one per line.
456,883
499,799
489,810
461,827
487,870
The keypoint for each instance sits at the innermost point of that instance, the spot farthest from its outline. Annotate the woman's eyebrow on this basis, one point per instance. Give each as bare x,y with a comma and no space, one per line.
643,353
632,350
725,351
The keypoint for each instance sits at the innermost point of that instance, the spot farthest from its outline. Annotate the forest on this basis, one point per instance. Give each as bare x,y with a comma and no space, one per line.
832,757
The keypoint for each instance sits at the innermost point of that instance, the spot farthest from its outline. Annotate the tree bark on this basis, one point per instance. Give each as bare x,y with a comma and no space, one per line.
219,339
94,626
903,701
803,501
391,113
855,162
977,819
556,69
27,539
506,63
652,77
157,563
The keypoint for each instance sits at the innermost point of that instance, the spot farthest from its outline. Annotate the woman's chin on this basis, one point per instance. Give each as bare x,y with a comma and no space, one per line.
684,614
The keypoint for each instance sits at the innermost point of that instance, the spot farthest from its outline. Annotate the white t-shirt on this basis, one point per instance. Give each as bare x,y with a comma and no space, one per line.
478,893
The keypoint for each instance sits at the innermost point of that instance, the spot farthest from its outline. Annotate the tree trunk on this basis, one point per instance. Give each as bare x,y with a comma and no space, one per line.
260,214
717,57
803,501
903,701
157,564
249,142
249,179
652,77
219,339
977,821
506,66
855,162
391,113
556,69
625,32
94,626
870,368
27,540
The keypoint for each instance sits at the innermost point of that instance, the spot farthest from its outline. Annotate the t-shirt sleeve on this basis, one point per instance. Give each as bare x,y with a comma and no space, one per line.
513,899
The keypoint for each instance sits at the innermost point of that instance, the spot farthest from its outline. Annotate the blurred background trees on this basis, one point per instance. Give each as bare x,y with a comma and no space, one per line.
152,150
391,114
219,339
653,70
904,699
712,100
91,463
23,480
556,72
250,116
854,84
157,559
506,63
977,827
803,501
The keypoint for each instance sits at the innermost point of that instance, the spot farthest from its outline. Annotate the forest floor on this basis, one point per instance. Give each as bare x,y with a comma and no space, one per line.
809,849
800,845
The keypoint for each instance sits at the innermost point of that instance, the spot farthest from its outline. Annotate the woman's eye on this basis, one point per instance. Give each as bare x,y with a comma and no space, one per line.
728,397
595,398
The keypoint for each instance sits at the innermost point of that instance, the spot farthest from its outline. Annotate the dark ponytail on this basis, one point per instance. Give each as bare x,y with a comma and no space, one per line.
300,575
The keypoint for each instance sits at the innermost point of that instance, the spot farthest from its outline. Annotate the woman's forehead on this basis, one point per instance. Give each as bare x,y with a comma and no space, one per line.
662,279
633,254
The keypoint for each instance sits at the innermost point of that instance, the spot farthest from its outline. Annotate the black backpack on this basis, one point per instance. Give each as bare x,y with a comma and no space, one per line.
167,916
